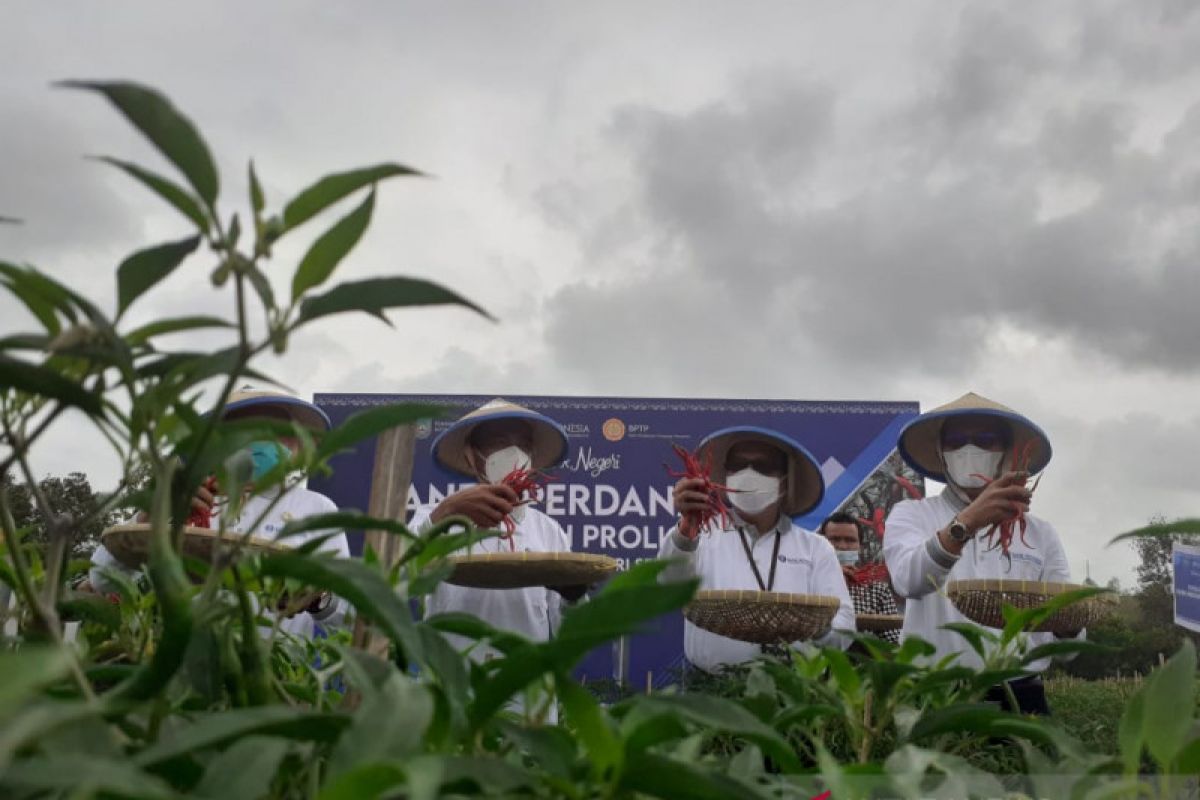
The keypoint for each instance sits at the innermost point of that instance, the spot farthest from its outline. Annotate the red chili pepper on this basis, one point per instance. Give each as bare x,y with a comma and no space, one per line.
528,485
701,469
202,517
1004,531
871,573
909,487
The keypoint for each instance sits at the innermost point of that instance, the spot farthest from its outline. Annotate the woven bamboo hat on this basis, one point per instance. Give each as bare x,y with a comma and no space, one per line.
920,442
804,486
300,411
549,439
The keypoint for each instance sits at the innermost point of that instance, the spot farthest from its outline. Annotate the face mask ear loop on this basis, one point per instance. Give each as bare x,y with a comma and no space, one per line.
955,489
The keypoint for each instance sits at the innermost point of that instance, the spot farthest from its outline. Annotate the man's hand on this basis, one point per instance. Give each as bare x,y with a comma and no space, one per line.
848,573
570,593
203,499
486,505
1000,500
689,496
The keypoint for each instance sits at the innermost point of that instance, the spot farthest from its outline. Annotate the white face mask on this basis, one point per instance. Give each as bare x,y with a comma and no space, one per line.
497,466
752,491
964,465
847,558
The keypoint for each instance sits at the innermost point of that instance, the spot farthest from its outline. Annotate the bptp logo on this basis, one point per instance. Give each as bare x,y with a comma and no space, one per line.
613,430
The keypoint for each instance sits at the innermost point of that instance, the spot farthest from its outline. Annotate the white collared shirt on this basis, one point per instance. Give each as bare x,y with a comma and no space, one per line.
296,503
918,577
533,612
806,564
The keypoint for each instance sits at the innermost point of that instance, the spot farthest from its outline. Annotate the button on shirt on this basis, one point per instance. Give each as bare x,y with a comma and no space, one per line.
806,564
918,577
297,503
533,612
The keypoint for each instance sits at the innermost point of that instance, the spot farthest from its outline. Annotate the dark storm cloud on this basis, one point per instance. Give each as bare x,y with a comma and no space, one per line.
993,198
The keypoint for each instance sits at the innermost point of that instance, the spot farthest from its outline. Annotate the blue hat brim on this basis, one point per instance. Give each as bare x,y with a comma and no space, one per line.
549,439
806,484
301,411
920,440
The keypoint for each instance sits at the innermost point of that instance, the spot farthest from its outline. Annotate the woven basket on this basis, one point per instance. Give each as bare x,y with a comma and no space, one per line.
982,602
762,617
522,570
879,623
130,544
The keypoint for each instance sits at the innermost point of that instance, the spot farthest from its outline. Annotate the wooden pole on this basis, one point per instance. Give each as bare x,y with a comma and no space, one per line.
390,479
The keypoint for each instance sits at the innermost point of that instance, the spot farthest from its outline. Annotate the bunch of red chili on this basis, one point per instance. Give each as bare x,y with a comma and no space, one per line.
1003,532
202,517
695,467
528,485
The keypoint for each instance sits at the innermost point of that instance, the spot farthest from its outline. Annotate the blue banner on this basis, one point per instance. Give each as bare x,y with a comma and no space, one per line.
613,493
1185,559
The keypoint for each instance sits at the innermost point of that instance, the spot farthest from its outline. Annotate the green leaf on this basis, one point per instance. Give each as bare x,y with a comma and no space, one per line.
49,383
328,251
389,724
552,748
717,713
364,782
262,286
29,669
37,722
168,190
244,771
174,325
79,773
374,296
215,729
1131,735
1180,527
90,608
361,586
975,635
331,188
256,193
166,128
142,270
591,725
1168,710
1066,647
374,421
653,775
979,718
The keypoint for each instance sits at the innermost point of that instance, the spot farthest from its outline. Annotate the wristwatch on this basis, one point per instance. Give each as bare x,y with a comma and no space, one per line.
959,532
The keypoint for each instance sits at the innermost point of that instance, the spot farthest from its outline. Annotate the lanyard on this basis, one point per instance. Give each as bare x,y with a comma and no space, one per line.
770,585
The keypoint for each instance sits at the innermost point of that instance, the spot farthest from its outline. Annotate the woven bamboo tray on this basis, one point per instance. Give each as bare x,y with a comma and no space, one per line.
130,544
879,623
982,601
762,617
522,570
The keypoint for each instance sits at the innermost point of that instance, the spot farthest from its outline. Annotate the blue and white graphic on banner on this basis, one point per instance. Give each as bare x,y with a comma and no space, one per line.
1186,562
613,494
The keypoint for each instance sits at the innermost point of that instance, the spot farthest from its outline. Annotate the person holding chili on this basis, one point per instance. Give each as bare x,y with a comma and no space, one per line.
771,478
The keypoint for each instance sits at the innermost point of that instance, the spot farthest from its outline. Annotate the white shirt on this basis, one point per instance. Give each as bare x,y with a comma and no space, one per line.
807,564
296,503
918,577
533,612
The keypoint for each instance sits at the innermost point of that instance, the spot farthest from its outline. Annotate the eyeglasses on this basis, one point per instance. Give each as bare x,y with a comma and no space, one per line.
987,440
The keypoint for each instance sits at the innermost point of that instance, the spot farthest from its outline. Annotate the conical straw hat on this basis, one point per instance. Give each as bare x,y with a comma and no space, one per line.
549,439
920,441
805,484
300,411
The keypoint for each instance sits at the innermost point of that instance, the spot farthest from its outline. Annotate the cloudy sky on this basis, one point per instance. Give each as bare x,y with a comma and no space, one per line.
898,201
